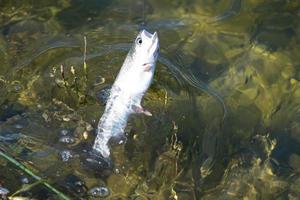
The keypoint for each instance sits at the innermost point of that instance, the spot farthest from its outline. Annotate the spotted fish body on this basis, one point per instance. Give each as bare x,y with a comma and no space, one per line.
132,82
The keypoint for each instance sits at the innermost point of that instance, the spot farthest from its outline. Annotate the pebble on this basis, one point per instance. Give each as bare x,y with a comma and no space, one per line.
89,127
103,94
18,126
74,183
24,180
85,135
293,81
99,191
67,140
10,137
3,191
99,80
66,155
66,119
80,186
64,132
18,88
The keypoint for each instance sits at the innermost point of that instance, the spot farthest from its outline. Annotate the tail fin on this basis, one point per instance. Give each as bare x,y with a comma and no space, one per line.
101,146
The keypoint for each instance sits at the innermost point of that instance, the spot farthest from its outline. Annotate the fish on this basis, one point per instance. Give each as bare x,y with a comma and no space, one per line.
131,84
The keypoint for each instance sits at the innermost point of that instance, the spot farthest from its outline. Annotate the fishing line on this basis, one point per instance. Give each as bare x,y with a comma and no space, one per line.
188,77
193,81
143,24
144,20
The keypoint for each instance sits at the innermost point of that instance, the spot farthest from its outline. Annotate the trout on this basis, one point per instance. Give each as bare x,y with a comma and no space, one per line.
131,84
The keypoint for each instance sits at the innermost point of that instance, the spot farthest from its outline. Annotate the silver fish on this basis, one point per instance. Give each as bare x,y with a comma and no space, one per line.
131,84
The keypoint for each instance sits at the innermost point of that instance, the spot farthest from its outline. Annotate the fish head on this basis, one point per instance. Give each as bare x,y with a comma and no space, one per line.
138,68
145,51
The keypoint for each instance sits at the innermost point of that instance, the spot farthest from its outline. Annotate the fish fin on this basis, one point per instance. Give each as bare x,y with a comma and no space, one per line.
104,150
118,139
147,113
101,145
140,110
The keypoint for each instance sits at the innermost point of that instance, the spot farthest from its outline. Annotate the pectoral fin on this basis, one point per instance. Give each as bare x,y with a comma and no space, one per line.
140,110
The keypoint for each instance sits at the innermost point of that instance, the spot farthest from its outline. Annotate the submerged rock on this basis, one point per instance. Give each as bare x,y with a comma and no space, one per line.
24,180
66,155
67,140
18,126
3,191
10,137
99,191
75,184
64,132
103,95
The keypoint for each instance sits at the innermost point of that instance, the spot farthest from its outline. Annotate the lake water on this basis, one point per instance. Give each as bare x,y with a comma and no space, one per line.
225,99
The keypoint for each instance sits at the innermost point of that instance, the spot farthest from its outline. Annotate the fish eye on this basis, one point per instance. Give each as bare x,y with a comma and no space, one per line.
139,41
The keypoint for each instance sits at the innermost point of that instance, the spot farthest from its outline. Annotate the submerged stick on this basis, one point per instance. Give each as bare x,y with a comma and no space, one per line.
26,188
62,73
29,172
84,57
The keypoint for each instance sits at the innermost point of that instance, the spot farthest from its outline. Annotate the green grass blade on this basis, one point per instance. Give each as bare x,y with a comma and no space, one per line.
29,172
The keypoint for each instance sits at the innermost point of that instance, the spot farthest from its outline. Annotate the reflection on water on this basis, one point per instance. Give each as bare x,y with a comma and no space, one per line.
225,99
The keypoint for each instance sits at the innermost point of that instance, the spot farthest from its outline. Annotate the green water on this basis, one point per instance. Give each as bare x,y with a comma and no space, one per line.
242,53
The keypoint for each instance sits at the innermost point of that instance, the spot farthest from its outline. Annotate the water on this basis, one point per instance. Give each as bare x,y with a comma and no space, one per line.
242,53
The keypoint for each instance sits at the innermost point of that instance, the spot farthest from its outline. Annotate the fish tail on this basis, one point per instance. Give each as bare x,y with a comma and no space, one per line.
101,144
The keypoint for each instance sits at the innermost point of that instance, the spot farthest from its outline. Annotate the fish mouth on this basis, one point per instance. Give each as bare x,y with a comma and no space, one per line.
153,37
147,34
152,47
154,42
